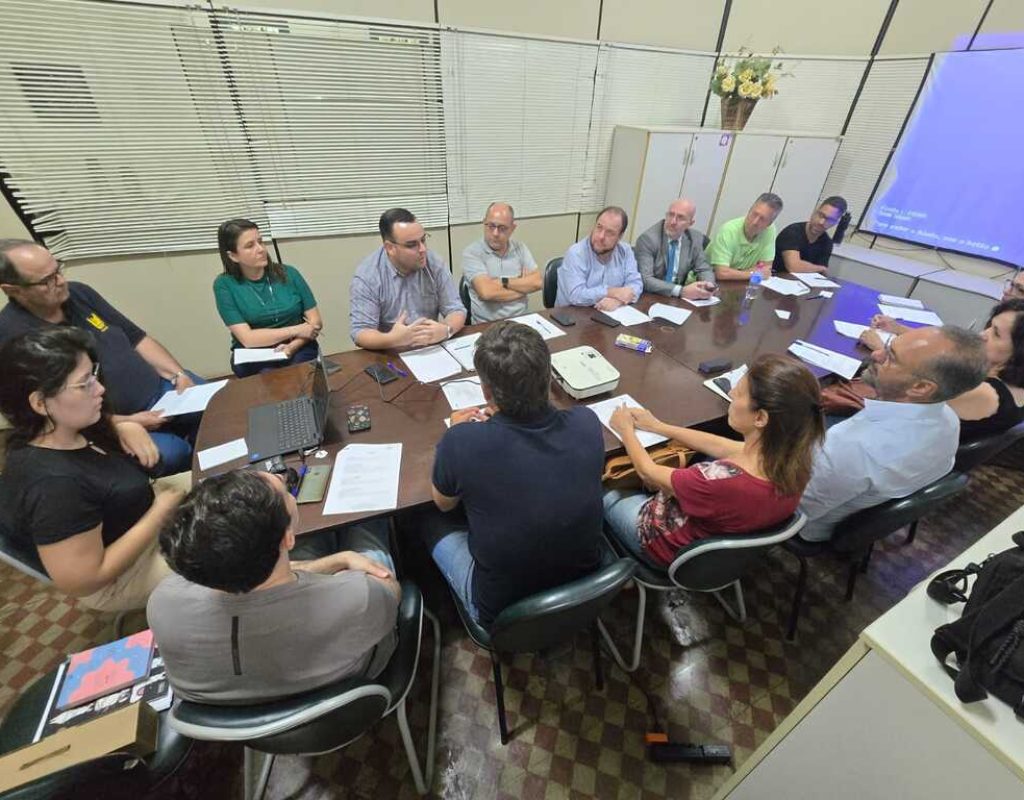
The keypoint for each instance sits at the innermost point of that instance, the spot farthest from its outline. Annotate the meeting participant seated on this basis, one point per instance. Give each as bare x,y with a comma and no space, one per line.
239,622
806,246
86,508
670,255
904,439
749,485
746,245
500,270
527,477
400,290
997,404
1013,287
137,369
263,304
601,271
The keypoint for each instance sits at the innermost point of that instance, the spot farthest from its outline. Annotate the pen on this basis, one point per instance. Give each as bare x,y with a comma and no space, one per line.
395,369
816,297
298,484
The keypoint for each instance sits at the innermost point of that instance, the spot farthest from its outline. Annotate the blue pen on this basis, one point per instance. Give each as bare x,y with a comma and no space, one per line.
393,368
298,484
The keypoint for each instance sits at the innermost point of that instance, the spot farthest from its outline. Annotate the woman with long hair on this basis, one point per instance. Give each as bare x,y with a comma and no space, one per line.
749,485
263,303
87,509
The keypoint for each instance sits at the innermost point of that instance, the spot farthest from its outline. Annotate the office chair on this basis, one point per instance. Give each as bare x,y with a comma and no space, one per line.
464,297
975,453
550,291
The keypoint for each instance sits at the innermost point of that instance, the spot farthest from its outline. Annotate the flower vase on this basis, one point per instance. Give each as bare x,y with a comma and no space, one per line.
736,111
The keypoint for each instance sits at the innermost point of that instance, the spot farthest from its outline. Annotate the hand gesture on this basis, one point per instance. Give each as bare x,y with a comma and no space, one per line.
644,419
403,334
607,304
360,562
884,323
621,420
168,498
871,340
136,442
699,290
622,293
183,382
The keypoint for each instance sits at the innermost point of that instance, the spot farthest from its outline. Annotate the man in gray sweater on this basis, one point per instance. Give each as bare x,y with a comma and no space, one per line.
671,252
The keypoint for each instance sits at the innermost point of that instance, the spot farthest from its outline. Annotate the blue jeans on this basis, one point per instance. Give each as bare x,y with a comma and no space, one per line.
307,352
369,539
621,512
176,437
447,539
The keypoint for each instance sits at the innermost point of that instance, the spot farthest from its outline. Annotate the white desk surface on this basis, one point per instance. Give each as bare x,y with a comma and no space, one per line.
903,636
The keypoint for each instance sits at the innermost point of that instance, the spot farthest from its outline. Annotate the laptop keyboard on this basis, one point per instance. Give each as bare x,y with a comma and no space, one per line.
295,424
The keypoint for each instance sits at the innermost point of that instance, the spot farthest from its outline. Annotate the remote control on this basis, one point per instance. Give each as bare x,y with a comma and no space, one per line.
694,753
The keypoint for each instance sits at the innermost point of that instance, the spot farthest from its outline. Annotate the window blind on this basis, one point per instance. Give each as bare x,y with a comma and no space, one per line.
517,113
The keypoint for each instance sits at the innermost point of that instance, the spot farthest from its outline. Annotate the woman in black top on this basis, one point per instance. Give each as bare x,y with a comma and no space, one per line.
87,508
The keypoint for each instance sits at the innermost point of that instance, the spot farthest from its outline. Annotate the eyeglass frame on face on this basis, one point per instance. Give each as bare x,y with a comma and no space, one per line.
494,227
415,245
687,218
50,281
1010,286
90,383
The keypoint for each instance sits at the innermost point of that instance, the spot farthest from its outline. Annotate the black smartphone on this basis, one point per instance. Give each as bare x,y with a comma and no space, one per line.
714,365
563,319
604,319
380,374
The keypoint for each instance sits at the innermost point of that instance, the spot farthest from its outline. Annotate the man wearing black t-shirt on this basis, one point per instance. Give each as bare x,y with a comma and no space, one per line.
528,479
136,369
806,246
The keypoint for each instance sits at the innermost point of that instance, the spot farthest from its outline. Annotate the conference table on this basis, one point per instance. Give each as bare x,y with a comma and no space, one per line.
664,381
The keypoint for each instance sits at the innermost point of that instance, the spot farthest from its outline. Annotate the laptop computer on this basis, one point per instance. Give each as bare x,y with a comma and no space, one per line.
290,425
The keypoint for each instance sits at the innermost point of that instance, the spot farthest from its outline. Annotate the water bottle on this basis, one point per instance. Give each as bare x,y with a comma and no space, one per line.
753,287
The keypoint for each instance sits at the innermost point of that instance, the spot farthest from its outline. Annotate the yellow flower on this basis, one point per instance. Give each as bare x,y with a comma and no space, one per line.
747,75
745,89
723,69
728,83
755,90
769,86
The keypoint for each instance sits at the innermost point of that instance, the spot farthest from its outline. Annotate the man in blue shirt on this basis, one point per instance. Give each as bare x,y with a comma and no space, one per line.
527,477
601,271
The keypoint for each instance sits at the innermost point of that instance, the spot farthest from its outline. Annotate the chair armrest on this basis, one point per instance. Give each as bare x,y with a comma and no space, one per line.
397,676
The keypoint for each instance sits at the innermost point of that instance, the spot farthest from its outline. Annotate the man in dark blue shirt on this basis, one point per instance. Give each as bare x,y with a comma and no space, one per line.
136,370
528,478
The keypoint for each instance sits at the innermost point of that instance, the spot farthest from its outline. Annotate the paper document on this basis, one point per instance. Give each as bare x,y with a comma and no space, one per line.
733,377
546,329
193,399
782,286
843,366
782,314
463,393
671,313
604,411
365,478
256,355
463,349
628,315
911,315
896,300
853,330
824,294
430,364
815,281
222,453
702,303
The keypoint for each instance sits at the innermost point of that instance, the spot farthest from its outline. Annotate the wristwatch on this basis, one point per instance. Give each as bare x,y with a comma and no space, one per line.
174,378
504,282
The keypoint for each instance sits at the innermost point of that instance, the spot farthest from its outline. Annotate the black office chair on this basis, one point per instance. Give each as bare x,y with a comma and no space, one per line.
464,296
551,282
973,454
545,620
117,775
705,241
855,536
707,565
328,718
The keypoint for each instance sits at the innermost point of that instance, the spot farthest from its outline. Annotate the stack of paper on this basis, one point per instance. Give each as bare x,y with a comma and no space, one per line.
539,324
365,478
256,355
731,378
853,330
841,365
701,303
431,363
911,314
782,286
222,453
463,393
463,349
604,411
896,300
193,399
675,315
628,315
815,281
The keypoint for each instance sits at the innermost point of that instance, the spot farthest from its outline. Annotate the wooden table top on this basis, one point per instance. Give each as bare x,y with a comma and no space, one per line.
664,381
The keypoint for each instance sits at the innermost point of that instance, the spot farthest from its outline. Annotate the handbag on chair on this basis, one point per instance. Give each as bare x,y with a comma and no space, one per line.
619,472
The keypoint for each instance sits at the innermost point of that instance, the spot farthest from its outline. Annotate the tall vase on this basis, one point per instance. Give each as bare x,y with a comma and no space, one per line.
736,111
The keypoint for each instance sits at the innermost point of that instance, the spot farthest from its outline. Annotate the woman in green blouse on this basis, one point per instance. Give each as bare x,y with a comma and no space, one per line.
263,303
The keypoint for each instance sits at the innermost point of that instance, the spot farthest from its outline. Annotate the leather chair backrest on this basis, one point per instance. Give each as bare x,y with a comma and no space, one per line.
554,616
464,296
710,564
19,554
860,529
551,282
972,454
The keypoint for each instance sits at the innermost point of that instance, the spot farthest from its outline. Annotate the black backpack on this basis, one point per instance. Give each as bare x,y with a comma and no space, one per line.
988,639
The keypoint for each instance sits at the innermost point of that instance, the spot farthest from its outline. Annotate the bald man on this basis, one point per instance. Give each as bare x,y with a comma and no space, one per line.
671,252
500,270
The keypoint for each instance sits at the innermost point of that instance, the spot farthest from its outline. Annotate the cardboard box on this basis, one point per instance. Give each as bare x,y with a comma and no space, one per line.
131,730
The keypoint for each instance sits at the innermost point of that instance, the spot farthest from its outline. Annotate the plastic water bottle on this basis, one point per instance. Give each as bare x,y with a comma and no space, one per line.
753,287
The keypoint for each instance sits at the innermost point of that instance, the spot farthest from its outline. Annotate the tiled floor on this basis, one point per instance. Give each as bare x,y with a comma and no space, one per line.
712,679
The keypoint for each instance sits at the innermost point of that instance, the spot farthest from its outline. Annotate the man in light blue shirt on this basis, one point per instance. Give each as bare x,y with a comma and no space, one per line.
601,271
905,439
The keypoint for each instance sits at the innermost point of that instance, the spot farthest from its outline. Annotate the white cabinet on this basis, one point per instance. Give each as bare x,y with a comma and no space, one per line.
721,171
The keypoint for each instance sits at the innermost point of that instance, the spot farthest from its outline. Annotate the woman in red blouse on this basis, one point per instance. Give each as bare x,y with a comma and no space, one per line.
751,485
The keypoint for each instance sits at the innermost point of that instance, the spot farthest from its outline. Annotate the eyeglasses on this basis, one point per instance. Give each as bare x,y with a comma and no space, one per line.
1010,286
89,383
494,227
50,281
413,245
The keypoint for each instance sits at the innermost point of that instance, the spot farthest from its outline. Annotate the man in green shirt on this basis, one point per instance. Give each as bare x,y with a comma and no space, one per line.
746,244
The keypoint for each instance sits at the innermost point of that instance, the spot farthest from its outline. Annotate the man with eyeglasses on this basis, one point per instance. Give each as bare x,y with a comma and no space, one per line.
601,271
400,290
136,369
904,439
1013,288
500,270
670,255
